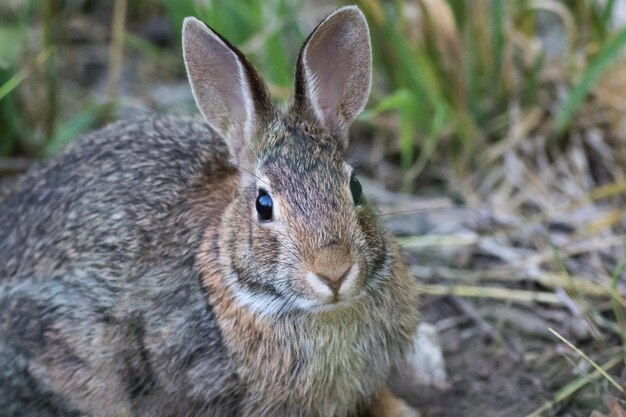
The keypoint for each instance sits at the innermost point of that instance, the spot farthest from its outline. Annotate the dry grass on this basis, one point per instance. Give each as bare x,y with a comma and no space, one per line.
530,133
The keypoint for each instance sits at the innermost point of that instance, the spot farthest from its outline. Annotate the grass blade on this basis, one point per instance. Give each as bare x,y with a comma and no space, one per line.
22,74
588,359
494,293
574,386
607,55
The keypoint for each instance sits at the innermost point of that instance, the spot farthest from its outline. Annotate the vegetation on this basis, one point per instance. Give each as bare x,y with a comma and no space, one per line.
516,110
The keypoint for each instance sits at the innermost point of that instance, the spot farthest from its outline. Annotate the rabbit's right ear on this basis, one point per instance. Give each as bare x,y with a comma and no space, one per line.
334,72
231,96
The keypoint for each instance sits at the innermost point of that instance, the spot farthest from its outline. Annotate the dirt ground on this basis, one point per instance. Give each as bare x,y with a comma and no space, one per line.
504,373
485,377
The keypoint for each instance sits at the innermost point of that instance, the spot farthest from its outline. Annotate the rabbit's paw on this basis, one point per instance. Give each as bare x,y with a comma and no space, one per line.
386,404
402,409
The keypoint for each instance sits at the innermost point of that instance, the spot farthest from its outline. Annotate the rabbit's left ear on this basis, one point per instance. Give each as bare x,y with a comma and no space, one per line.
228,91
334,71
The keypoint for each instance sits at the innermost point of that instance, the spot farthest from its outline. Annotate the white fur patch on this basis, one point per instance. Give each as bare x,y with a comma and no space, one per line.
317,285
312,84
347,286
262,304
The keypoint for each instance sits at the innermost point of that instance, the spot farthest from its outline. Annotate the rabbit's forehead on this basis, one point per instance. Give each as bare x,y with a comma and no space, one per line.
309,171
311,183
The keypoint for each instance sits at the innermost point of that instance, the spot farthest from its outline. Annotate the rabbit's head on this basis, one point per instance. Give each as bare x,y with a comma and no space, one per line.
299,234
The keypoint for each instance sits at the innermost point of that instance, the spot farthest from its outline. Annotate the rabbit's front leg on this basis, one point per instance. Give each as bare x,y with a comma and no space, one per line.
386,404
56,347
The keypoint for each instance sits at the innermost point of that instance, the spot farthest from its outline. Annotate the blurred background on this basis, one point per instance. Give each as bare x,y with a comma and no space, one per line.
494,143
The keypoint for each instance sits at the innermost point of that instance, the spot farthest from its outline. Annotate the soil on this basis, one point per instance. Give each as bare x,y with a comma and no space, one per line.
510,375
485,379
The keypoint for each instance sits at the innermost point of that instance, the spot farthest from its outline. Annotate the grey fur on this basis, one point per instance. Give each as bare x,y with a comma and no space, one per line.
98,282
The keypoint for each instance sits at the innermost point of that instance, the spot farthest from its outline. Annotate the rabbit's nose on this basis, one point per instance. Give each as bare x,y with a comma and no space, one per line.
331,266
332,281
332,270
334,277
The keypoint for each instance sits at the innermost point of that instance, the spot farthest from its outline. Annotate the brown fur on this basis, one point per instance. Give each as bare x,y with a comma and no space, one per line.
320,364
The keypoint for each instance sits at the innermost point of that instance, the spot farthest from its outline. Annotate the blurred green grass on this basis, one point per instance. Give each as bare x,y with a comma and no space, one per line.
268,31
449,71
455,69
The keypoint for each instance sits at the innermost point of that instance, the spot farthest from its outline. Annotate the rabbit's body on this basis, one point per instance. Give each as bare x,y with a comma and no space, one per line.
136,277
72,212
93,324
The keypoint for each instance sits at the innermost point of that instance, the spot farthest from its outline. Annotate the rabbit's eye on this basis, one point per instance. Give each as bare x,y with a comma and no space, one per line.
356,190
264,205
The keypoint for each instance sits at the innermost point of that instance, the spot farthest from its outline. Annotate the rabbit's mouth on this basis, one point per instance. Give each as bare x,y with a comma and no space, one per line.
332,306
335,304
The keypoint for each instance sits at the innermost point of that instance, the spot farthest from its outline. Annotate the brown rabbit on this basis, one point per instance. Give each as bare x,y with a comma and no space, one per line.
163,267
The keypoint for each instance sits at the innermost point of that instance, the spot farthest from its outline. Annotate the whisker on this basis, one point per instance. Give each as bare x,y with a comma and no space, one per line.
285,303
417,210
255,176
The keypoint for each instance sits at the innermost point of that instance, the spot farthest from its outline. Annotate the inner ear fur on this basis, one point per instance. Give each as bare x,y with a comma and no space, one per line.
334,72
227,89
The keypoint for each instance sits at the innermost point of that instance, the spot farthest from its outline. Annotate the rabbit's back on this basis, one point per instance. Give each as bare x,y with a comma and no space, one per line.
111,197
100,300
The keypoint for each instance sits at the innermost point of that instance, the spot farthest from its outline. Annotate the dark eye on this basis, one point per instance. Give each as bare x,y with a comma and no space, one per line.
356,190
264,205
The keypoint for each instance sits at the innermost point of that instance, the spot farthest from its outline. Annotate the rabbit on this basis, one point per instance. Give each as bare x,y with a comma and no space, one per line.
230,266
